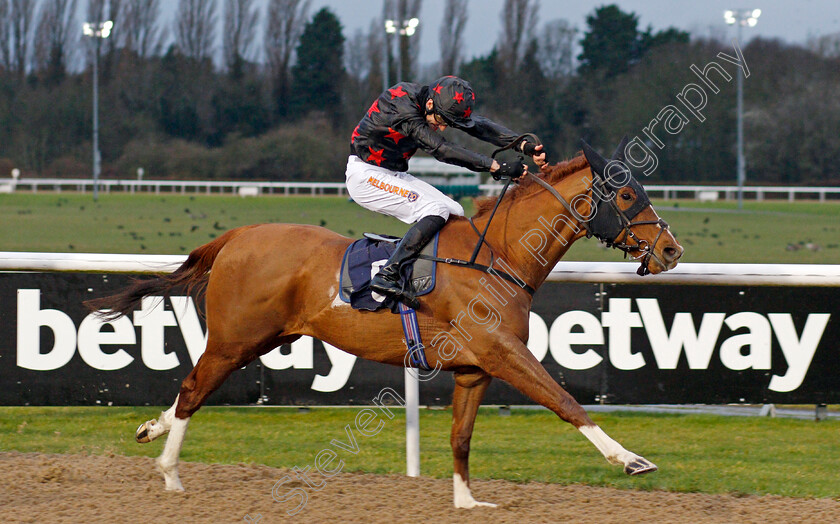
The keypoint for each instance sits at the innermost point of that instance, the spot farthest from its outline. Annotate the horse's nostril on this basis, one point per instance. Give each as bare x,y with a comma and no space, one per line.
671,253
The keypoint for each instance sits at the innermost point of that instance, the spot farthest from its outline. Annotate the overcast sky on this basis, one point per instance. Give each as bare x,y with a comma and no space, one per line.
790,20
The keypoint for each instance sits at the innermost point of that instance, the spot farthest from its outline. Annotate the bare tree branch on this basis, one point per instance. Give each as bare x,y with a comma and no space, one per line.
240,22
556,49
57,21
451,35
5,37
21,15
286,20
195,28
141,32
518,17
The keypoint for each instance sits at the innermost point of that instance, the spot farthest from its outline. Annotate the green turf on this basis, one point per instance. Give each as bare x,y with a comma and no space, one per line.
696,453
765,232
770,232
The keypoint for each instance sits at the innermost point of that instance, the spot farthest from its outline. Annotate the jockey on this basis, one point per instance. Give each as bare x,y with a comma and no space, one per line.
405,118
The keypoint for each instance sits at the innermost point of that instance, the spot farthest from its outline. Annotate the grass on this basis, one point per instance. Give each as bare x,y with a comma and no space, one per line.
765,232
696,453
770,232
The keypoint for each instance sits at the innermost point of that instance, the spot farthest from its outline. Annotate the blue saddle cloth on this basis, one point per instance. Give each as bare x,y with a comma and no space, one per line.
365,257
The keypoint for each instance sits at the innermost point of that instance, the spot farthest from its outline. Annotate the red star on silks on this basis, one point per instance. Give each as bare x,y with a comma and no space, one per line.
409,154
468,112
396,136
374,108
437,89
397,93
458,98
473,96
376,156
354,135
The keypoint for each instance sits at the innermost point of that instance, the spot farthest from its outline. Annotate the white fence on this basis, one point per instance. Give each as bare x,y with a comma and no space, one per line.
596,272
667,192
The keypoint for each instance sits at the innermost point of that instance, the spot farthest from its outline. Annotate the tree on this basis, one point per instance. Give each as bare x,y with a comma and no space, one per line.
451,36
140,32
240,19
555,47
57,22
612,42
518,18
318,75
195,24
21,14
285,25
375,57
5,37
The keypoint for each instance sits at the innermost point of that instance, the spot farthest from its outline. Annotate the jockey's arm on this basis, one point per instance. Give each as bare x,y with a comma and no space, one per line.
498,135
447,152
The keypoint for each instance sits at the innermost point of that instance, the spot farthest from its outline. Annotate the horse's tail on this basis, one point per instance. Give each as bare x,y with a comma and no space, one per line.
192,274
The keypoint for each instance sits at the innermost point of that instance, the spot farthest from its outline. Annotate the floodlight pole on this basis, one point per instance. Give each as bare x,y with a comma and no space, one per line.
406,29
742,175
741,17
96,156
412,382
98,31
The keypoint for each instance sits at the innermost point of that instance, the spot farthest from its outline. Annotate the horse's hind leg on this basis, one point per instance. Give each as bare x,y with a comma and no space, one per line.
154,428
469,390
517,366
211,370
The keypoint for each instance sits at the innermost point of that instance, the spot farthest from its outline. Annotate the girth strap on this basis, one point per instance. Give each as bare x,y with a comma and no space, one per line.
481,267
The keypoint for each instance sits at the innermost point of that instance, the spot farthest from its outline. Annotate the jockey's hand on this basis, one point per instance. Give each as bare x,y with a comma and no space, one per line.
536,152
513,170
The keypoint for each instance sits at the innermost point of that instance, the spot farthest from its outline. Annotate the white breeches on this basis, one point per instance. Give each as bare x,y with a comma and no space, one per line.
399,195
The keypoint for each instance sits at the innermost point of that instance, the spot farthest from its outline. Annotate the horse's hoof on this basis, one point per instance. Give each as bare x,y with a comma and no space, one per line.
639,466
142,433
178,487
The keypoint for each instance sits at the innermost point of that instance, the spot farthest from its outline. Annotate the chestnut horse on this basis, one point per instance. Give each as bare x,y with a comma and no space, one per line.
270,284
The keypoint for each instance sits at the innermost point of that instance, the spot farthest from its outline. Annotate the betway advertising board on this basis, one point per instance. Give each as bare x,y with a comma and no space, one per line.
611,343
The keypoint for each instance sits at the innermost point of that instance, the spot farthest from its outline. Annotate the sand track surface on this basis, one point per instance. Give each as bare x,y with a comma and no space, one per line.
115,489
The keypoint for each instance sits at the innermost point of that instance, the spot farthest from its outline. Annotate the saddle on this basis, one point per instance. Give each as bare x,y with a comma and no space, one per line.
363,259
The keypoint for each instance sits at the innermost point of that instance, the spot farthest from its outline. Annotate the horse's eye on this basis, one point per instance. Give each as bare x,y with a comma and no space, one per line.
627,196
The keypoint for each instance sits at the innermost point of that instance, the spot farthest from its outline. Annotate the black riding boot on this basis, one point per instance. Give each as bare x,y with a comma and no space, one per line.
387,281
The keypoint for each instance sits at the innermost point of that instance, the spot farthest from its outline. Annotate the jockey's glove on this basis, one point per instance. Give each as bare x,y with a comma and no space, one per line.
512,170
529,149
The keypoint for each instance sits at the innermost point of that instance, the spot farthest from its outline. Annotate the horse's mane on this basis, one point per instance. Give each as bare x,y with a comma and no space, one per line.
551,174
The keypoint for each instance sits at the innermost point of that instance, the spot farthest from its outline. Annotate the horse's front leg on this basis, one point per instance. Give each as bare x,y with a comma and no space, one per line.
511,361
469,390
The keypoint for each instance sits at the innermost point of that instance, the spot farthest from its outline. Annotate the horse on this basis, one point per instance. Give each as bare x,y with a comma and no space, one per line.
267,285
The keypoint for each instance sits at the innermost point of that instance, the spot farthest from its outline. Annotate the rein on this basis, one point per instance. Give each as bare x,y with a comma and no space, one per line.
471,263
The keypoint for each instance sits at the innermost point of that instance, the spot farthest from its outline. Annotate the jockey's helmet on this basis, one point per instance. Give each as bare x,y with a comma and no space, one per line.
453,99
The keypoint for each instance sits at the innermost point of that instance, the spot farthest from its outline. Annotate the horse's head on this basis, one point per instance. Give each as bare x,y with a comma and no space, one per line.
622,216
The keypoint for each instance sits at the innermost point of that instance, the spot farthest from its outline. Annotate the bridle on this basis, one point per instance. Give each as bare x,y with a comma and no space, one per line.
618,223
621,224
641,250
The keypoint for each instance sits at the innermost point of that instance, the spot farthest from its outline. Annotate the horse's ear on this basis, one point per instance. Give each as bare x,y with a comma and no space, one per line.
618,154
596,161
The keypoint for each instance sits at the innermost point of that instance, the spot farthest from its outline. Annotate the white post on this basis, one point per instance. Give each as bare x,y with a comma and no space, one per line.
412,424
